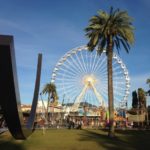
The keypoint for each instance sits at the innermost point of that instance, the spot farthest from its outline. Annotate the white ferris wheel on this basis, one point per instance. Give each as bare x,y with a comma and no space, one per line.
80,77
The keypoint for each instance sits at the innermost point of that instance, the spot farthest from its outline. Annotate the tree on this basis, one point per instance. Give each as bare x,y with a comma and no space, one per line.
148,82
134,99
142,101
142,98
110,30
50,89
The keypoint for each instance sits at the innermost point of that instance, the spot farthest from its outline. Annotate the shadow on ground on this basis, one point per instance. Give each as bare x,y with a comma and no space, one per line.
124,140
10,144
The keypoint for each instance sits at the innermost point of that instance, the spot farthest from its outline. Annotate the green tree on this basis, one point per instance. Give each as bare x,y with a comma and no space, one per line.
134,99
142,102
142,98
110,30
50,90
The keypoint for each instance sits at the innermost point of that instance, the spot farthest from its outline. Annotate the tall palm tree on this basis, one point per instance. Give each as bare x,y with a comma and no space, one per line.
148,81
142,98
50,90
110,30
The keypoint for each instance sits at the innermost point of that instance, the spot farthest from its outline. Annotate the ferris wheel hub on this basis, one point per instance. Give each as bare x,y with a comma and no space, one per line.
89,80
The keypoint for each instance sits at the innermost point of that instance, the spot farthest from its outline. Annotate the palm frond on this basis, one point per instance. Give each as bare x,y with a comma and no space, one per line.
125,45
117,44
101,45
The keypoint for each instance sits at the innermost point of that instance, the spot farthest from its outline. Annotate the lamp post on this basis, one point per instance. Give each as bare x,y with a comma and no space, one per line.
147,116
43,106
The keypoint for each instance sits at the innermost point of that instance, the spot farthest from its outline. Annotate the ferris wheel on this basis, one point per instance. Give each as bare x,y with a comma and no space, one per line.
80,77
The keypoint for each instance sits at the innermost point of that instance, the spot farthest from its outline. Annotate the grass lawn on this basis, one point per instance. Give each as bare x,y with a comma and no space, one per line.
64,139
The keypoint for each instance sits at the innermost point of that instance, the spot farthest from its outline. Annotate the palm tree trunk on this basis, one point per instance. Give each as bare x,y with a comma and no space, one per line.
110,88
48,102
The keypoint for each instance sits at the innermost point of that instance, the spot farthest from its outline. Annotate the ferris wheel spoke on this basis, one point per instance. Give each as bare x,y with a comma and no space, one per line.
68,75
117,73
73,83
99,64
95,57
116,87
118,93
103,91
103,68
104,75
66,79
73,75
76,64
116,78
120,96
116,68
68,87
62,71
117,99
86,60
114,62
71,90
120,82
80,64
72,66
85,68
90,61
69,69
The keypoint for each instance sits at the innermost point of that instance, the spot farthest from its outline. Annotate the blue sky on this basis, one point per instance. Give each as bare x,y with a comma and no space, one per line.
54,27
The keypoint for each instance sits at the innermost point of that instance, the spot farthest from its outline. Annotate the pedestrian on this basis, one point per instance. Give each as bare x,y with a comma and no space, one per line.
43,124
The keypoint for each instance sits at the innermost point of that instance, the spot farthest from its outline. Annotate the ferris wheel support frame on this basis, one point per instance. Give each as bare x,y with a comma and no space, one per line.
79,98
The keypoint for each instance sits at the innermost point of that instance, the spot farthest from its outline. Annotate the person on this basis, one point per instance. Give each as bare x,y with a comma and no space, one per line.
43,124
132,124
73,124
79,125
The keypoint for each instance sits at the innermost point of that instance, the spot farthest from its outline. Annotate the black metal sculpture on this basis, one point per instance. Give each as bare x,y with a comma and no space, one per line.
9,91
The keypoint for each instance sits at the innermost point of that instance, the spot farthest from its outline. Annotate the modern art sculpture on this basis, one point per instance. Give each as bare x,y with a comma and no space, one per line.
9,91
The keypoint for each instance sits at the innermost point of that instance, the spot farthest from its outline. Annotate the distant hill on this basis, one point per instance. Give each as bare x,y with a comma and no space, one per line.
81,104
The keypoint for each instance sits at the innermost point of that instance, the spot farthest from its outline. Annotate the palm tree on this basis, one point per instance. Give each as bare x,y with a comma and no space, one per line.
50,89
148,82
142,98
110,30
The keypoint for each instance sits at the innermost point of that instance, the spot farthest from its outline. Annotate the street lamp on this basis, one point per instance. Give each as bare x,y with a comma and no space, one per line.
147,97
